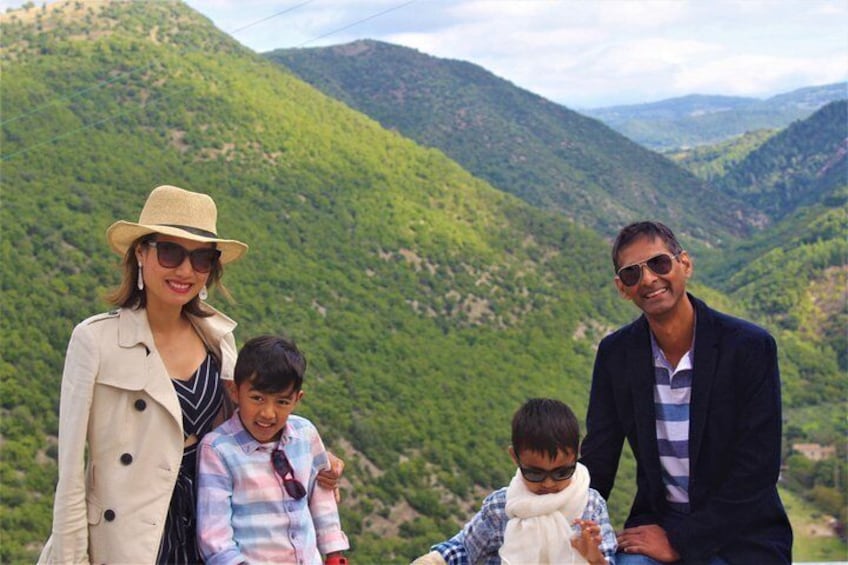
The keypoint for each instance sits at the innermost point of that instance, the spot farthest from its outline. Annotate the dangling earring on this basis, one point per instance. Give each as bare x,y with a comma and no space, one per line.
204,294
140,283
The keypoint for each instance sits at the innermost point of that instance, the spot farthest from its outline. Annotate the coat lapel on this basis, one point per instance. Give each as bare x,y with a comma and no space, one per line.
212,330
134,331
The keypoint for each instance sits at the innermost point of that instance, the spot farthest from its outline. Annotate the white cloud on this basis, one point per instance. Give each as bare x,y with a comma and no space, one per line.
654,55
582,53
628,17
757,75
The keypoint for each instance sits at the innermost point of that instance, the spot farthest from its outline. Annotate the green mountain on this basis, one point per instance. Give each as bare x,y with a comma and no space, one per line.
696,120
803,160
521,143
710,162
800,166
792,175
429,304
795,272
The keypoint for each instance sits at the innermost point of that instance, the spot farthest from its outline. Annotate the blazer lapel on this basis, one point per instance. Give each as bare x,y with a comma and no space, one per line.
706,360
640,367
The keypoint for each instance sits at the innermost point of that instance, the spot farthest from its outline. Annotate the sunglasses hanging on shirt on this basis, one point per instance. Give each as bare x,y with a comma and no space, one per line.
294,488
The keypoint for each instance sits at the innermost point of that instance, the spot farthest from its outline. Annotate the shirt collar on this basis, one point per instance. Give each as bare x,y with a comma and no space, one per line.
249,444
660,360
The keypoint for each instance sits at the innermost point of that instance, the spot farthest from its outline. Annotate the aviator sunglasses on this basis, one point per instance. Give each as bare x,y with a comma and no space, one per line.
539,475
660,264
171,255
294,488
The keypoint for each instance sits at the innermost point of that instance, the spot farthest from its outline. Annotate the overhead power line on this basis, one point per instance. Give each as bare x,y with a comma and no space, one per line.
126,74
348,26
271,17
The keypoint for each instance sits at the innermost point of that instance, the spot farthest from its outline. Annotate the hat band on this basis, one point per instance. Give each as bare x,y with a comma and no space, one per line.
195,231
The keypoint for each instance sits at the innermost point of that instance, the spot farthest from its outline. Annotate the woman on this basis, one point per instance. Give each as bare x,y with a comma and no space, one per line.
141,386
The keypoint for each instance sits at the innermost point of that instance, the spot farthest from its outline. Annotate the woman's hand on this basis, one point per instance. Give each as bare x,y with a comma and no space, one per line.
329,478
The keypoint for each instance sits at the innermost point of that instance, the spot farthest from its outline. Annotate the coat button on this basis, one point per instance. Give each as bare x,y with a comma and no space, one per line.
140,405
126,458
109,515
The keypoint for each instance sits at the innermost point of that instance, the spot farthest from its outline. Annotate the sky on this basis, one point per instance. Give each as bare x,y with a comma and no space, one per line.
580,53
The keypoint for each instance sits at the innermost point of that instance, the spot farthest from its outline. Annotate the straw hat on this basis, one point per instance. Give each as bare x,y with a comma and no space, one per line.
176,212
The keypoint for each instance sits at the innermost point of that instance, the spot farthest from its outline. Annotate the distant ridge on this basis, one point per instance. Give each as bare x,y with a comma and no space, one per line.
521,143
800,166
698,119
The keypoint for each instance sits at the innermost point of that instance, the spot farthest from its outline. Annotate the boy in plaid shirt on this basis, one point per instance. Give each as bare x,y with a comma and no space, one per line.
257,500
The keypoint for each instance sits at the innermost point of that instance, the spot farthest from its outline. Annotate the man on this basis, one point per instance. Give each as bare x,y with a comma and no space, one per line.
697,395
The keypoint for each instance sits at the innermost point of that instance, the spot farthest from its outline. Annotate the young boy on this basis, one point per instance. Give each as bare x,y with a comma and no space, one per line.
548,513
257,500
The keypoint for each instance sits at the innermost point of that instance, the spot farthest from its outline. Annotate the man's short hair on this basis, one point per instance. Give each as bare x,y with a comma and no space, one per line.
651,230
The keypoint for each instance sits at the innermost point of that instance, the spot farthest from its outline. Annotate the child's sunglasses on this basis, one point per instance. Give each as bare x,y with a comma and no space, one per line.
539,475
660,264
293,487
171,255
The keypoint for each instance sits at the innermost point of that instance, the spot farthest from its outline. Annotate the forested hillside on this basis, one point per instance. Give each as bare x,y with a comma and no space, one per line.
429,304
695,120
711,162
800,166
795,273
525,145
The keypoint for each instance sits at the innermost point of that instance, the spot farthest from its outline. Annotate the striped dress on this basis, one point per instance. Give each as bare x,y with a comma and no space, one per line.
201,398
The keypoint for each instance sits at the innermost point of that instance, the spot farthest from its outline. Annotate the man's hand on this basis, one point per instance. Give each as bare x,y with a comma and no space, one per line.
329,478
649,540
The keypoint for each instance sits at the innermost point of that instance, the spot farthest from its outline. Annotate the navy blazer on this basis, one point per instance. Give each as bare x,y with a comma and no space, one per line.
734,438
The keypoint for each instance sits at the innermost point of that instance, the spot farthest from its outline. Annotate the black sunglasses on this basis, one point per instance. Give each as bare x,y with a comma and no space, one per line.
171,255
660,264
294,488
535,475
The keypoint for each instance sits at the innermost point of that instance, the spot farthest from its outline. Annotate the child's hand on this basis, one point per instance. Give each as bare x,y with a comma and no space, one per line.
588,541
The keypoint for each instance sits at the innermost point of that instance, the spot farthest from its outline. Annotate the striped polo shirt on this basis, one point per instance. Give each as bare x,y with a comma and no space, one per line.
672,394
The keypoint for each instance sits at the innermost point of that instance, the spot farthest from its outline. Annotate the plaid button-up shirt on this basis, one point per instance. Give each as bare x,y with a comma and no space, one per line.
243,512
482,537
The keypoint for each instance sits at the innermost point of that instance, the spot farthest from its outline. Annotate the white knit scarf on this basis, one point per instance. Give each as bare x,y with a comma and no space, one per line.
539,527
